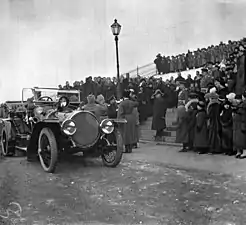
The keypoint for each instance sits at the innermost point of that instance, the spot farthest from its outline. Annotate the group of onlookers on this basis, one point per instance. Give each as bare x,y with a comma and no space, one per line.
214,122
195,59
211,106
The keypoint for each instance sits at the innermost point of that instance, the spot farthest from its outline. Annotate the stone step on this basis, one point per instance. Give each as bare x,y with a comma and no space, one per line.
151,133
162,139
169,133
168,120
147,132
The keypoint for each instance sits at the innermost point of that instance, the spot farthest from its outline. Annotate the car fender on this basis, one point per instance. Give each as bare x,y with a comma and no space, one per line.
5,126
33,143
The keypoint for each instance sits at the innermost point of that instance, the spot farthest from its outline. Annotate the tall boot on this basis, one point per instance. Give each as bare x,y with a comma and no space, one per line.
130,149
126,148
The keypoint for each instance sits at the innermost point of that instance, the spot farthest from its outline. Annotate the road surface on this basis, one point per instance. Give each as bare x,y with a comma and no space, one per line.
154,185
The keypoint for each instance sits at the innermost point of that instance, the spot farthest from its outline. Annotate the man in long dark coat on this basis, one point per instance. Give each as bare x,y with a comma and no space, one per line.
128,130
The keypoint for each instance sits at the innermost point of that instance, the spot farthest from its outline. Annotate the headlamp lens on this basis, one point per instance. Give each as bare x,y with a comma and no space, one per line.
107,126
69,127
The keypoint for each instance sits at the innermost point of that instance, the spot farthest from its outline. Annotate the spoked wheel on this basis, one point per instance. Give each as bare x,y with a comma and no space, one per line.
112,157
47,150
4,144
6,149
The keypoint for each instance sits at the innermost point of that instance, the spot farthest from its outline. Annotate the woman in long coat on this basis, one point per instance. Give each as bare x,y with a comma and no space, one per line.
226,122
128,130
201,132
213,112
159,113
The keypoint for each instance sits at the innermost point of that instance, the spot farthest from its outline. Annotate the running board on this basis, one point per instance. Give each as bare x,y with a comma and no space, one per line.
21,148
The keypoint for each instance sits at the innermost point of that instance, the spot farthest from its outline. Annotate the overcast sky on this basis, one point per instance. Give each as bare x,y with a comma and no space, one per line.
46,42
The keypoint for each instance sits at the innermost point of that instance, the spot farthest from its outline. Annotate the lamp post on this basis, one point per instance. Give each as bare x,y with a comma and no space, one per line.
115,27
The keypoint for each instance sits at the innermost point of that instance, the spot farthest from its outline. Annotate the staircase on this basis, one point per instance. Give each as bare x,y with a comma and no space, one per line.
146,71
169,134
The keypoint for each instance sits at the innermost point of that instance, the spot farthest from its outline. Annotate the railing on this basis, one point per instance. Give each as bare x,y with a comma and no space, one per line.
147,70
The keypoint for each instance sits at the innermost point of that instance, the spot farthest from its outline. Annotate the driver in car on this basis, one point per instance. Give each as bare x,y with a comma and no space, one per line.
98,109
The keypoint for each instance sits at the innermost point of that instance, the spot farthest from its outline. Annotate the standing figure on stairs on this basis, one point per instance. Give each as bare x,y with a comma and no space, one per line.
159,113
126,111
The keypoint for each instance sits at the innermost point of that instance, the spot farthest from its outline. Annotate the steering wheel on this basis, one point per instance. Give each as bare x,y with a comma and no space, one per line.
48,99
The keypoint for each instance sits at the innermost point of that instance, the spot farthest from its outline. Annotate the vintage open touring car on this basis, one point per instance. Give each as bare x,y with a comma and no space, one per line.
49,121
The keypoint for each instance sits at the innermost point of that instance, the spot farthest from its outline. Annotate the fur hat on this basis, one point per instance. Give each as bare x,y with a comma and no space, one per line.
100,99
212,95
231,96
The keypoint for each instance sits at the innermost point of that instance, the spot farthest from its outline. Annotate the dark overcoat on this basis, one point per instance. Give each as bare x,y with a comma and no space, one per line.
226,135
128,130
159,113
201,131
191,125
143,106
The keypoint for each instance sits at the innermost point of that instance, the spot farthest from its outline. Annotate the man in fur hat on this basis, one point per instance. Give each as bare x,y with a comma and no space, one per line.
92,106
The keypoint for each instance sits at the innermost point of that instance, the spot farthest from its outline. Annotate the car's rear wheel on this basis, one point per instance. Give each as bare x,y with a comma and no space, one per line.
6,150
112,157
47,150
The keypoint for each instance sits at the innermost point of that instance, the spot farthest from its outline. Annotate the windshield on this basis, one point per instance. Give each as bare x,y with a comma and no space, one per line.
38,94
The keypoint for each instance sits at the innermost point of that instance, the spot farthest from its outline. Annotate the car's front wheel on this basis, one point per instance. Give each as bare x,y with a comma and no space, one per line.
6,150
112,157
47,150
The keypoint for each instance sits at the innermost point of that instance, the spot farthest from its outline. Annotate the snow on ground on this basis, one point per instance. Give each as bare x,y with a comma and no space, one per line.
184,74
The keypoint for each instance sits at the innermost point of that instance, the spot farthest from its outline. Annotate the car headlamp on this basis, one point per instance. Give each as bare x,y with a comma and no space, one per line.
107,126
39,110
69,127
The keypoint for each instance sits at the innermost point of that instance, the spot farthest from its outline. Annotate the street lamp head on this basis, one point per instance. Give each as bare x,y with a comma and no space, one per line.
116,27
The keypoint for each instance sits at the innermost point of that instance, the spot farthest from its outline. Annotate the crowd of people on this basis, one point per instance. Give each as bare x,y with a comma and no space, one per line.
195,59
211,106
